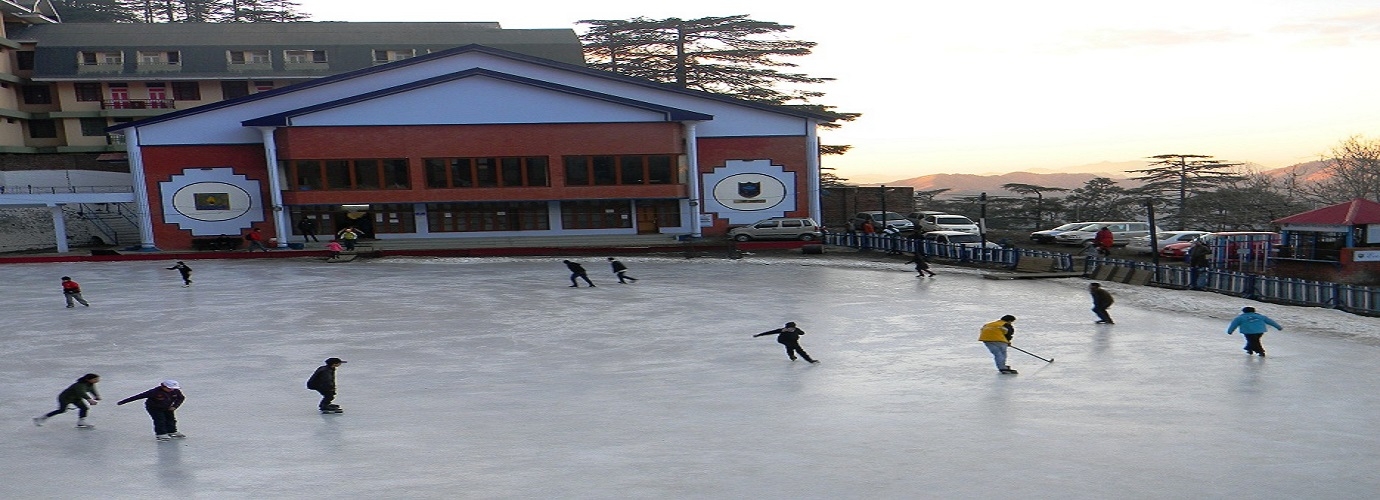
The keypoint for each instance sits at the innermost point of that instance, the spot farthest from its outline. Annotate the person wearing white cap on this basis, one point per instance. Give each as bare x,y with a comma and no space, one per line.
161,402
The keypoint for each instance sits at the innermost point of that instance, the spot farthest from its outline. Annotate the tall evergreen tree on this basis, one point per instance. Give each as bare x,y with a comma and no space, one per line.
95,11
1039,191
1183,176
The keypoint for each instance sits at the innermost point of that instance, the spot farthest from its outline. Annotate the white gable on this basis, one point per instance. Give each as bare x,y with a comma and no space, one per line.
477,100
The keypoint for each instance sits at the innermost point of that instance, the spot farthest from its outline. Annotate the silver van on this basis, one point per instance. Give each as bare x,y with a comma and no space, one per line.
778,228
1122,232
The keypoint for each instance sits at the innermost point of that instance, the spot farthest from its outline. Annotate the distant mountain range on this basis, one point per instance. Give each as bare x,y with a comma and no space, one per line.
960,185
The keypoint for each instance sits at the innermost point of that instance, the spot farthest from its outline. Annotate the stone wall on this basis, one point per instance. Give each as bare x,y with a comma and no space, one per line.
30,229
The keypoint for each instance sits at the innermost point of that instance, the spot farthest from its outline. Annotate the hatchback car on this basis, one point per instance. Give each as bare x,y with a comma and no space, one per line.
1231,245
1122,232
892,219
778,228
958,238
1047,235
1141,244
948,222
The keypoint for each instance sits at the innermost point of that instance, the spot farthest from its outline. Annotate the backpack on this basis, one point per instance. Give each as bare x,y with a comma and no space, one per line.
249,237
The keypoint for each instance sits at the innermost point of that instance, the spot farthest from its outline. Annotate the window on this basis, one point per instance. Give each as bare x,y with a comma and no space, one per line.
42,129
155,58
394,218
88,91
101,58
38,94
304,56
232,89
619,170
596,214
389,173
488,216
93,127
249,57
383,56
263,85
186,91
25,60
528,171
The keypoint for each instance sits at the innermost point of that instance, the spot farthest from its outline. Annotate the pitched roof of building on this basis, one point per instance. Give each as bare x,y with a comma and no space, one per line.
1354,212
786,110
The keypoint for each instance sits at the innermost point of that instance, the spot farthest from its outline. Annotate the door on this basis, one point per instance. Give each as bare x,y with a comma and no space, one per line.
646,219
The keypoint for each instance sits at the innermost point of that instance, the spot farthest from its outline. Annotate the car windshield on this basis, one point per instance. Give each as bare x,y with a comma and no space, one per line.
1067,227
964,238
952,220
1091,228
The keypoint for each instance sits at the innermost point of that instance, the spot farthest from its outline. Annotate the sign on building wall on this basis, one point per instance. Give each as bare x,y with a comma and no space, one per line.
1366,256
211,201
746,191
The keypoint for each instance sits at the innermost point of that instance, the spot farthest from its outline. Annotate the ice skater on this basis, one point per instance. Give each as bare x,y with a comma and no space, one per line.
620,270
789,336
79,394
922,268
161,403
72,291
577,271
255,237
323,381
186,271
997,336
308,228
334,250
1102,299
1253,326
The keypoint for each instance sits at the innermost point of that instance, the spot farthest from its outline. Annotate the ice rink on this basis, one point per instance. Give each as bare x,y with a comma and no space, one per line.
491,378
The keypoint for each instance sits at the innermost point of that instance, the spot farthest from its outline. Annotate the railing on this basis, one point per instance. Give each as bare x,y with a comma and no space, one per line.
137,104
1357,299
64,189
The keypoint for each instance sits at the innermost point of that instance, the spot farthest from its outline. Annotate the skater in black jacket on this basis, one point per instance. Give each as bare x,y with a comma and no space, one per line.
922,268
77,394
323,381
186,271
620,270
577,271
161,402
789,336
1102,299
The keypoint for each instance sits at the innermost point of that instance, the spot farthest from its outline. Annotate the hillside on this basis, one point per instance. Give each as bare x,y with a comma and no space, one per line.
1069,178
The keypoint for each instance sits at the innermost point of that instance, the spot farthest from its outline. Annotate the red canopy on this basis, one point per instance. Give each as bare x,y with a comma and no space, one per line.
1354,212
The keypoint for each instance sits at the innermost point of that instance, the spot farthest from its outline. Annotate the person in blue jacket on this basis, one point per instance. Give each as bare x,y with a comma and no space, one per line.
1253,326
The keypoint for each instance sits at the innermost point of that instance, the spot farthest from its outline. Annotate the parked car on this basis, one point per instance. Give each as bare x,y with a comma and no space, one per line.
1122,232
958,238
892,219
778,228
915,217
947,222
1256,241
1047,235
1141,244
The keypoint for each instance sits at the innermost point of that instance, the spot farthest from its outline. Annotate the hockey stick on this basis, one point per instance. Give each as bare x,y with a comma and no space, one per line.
1050,360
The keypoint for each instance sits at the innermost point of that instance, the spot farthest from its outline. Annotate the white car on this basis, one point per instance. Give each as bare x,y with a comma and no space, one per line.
1141,244
958,238
948,222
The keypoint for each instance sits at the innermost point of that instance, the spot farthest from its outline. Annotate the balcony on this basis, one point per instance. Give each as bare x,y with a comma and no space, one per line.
137,104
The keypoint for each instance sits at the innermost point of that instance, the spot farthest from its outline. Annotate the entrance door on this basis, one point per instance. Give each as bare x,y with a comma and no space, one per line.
646,218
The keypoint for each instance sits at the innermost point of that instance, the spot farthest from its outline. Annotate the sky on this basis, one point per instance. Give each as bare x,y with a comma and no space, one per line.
1011,85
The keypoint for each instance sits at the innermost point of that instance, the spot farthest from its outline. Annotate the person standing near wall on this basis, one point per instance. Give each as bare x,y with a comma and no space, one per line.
308,228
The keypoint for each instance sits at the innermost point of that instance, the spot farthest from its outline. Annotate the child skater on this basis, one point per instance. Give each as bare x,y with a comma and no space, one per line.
186,271
789,336
161,402
78,394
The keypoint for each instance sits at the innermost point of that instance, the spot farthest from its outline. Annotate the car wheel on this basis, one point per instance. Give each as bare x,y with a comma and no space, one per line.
742,237
807,237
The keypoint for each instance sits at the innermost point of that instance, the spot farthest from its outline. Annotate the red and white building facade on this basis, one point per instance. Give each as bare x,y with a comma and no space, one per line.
470,142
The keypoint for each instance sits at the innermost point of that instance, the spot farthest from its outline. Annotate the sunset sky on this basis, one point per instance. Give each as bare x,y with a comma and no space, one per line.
1006,85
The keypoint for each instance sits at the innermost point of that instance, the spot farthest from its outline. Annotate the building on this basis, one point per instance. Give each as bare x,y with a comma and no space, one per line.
470,141
69,81
1335,243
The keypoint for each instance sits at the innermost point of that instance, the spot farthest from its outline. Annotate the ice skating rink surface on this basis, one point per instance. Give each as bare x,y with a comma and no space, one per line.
491,378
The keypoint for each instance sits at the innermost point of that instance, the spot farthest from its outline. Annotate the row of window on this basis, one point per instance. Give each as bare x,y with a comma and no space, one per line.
232,57
118,95
489,172
488,216
90,127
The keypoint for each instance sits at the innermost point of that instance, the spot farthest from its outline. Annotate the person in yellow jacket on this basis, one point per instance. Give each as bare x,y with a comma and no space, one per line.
997,335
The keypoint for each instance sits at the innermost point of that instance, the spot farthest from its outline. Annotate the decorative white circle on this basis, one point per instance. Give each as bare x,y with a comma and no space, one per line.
237,203
749,192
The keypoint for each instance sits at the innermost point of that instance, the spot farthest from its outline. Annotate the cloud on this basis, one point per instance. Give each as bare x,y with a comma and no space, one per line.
1346,29
1117,39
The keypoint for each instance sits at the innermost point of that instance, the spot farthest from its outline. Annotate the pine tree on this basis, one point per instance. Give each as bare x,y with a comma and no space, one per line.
1184,176
95,11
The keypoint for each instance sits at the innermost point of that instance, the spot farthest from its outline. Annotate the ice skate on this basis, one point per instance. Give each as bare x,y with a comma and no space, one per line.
81,424
163,437
332,410
177,435
1008,371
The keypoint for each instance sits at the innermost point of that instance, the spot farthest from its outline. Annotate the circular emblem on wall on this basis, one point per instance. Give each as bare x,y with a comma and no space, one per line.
749,192
211,201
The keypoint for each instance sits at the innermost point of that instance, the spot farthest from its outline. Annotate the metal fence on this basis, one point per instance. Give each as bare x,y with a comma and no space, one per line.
64,189
1356,299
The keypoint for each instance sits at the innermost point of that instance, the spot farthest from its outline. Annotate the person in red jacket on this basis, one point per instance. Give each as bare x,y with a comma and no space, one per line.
161,402
72,291
256,240
1103,239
